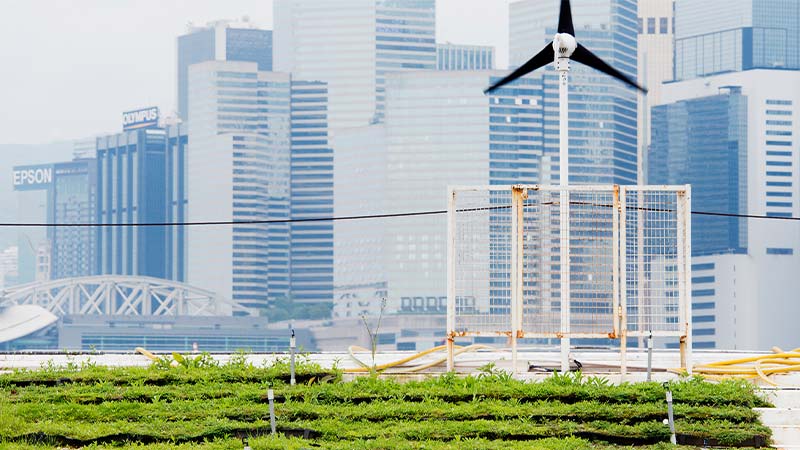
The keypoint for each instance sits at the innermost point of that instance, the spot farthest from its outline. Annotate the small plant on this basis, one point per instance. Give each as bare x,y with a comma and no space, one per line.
373,334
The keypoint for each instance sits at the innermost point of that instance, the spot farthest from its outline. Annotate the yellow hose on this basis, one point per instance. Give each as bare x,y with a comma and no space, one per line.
755,367
146,353
367,368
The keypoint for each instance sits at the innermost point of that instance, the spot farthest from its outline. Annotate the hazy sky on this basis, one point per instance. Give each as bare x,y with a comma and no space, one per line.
70,67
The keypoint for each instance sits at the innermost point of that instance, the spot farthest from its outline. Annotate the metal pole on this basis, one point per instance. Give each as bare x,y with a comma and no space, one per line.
292,345
685,255
517,195
562,66
271,398
623,280
670,416
650,356
451,279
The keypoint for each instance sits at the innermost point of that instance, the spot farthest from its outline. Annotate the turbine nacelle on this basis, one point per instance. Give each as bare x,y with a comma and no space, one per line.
564,45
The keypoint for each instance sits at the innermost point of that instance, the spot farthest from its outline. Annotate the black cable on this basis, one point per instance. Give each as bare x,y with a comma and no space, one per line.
362,217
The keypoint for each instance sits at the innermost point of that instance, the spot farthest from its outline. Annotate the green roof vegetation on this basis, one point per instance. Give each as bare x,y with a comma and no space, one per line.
201,404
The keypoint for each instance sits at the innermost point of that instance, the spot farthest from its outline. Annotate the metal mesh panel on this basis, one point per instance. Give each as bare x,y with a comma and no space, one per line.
628,246
591,216
653,272
483,261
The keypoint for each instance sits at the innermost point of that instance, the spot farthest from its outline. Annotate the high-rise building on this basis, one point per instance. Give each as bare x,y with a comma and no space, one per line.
33,186
718,36
441,130
603,111
352,45
464,57
141,178
220,41
72,249
240,167
62,193
703,142
263,138
360,249
656,65
311,194
733,137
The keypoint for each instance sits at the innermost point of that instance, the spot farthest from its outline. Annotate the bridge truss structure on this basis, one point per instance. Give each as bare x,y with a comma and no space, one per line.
117,295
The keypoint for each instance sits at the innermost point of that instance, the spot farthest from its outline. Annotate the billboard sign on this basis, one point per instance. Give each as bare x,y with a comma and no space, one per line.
140,118
32,178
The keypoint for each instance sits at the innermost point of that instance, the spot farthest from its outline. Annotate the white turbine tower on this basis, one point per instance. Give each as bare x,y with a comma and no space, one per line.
560,50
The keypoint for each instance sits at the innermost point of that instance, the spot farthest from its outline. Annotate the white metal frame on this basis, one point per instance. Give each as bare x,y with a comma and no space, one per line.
619,327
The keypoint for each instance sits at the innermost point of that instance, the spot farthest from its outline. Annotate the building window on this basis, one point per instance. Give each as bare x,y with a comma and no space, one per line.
663,25
705,266
651,25
780,251
641,25
702,319
703,293
703,279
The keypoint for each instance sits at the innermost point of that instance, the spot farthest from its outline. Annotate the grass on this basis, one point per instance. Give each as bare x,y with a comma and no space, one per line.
209,406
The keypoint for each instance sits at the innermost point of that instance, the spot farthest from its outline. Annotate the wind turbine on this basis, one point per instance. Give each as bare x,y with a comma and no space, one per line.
560,50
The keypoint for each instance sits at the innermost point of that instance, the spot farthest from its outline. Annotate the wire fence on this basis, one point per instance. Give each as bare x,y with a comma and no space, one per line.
626,261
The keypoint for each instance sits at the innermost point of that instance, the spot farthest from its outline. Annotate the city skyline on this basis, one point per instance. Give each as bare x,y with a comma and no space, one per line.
78,85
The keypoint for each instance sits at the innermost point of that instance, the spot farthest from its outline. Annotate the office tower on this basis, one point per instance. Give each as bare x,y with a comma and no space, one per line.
717,36
220,41
703,142
62,193
441,130
656,54
239,171
603,111
360,248
33,186
733,137
72,249
464,57
352,45
311,195
141,179
260,153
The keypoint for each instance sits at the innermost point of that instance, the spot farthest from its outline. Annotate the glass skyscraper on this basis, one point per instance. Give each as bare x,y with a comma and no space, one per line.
269,134
220,41
718,36
141,179
311,194
74,191
352,45
703,142
602,110
61,193
441,130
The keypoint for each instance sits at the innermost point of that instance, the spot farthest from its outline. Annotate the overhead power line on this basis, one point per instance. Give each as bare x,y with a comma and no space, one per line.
349,218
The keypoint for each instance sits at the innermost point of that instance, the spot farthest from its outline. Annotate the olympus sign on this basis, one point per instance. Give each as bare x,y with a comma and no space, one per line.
32,177
141,118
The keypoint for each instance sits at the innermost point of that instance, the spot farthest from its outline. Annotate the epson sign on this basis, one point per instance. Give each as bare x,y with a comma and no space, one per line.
141,118
30,178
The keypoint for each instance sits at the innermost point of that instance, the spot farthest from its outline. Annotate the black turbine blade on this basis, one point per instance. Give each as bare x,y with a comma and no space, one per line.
543,58
565,19
584,56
